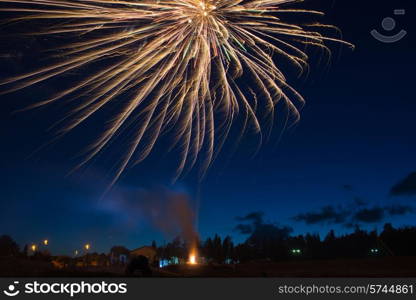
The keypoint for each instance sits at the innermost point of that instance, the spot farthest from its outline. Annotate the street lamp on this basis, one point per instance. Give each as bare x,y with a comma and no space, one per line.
33,247
296,251
374,251
46,242
87,247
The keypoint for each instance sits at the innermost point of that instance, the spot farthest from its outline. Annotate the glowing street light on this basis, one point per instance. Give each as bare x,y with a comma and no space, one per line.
46,242
76,252
33,247
87,247
296,251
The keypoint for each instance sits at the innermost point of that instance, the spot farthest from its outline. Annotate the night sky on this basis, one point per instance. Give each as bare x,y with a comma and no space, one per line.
335,168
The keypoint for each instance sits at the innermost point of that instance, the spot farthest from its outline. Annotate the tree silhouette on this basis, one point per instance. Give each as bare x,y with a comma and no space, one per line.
8,247
271,242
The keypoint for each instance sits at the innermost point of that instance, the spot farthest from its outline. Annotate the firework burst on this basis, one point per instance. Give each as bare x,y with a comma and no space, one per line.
177,63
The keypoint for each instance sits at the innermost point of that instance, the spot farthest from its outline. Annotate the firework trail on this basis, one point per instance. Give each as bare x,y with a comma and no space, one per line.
177,64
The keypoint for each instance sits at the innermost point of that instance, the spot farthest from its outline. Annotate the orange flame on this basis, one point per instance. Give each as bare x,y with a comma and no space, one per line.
192,259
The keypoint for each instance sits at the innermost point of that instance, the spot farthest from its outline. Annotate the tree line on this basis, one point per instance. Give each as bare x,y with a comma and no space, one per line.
273,243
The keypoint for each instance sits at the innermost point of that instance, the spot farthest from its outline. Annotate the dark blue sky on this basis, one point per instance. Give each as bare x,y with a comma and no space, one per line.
357,129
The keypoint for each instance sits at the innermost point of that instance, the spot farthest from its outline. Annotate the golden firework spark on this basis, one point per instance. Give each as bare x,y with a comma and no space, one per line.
179,62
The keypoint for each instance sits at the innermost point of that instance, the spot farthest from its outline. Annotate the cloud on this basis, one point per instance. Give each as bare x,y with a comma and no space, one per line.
406,187
256,220
351,216
377,214
255,217
370,215
244,228
327,214
347,187
359,201
400,210
351,225
258,229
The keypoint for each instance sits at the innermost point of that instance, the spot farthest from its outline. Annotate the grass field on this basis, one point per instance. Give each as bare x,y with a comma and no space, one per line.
374,267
